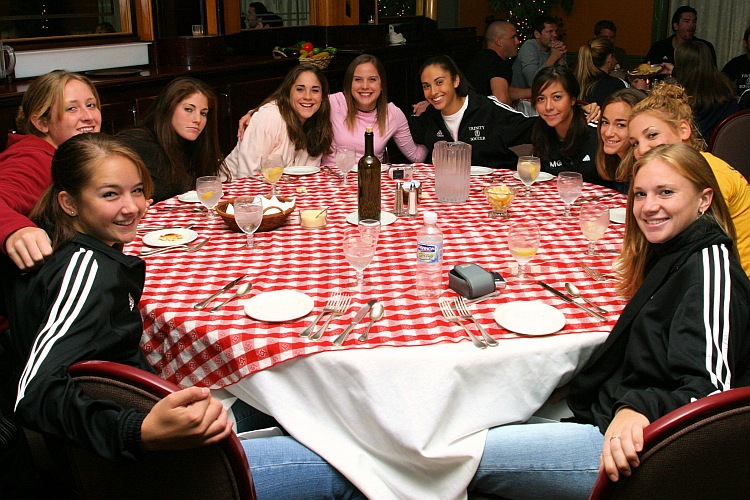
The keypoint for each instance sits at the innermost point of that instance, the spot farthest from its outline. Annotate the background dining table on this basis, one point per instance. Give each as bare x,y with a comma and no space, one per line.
405,414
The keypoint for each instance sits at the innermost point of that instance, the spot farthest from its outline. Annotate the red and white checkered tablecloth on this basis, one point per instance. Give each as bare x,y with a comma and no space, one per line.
191,347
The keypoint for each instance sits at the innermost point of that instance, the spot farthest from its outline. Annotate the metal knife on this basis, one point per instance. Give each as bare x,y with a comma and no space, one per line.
360,315
568,299
204,303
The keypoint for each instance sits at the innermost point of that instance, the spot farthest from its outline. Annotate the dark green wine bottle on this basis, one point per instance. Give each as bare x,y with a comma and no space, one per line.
368,177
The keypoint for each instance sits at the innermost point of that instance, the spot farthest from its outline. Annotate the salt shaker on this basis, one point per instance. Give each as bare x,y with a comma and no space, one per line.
413,201
398,206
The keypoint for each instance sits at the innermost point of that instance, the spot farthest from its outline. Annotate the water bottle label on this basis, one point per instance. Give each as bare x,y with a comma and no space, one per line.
429,253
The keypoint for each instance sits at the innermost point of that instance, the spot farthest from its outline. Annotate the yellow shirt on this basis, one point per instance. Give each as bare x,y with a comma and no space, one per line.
736,191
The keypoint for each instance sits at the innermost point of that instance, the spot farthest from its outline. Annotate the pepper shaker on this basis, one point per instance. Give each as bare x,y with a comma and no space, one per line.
398,206
412,201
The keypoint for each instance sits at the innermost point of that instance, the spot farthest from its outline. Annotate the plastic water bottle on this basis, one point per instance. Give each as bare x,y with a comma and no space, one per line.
429,258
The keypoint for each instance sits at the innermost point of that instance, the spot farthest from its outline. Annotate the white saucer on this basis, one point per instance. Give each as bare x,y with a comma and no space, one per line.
278,306
385,218
617,215
301,170
383,168
189,197
531,317
169,237
476,171
542,177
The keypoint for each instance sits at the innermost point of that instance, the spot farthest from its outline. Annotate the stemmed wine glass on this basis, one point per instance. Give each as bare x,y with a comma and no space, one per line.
248,214
569,186
272,168
359,249
209,191
370,229
523,242
346,158
594,219
528,170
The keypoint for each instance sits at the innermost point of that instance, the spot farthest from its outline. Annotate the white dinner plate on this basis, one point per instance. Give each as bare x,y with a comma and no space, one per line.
475,170
617,215
383,168
169,237
189,197
301,170
278,306
542,177
385,218
531,317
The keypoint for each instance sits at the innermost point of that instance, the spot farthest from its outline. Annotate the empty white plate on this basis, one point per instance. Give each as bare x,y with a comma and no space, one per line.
532,317
542,177
383,168
475,170
385,218
189,197
617,215
169,237
301,170
278,306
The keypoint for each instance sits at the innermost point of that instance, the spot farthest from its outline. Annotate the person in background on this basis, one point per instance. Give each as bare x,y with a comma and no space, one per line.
684,21
259,17
711,93
665,117
561,137
491,71
294,122
596,61
614,141
105,27
55,107
545,49
607,29
738,69
179,138
684,335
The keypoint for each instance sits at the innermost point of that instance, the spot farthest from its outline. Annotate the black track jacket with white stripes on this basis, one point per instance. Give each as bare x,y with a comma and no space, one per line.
82,304
685,334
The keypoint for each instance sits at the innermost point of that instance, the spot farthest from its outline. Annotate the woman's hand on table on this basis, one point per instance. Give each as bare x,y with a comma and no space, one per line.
185,419
28,247
622,443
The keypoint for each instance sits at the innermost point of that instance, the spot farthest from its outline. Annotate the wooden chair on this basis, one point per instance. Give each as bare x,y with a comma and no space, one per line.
701,450
729,141
219,471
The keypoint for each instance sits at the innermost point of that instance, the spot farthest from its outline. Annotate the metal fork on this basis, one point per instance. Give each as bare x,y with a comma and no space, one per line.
445,308
186,247
460,305
329,308
339,308
594,273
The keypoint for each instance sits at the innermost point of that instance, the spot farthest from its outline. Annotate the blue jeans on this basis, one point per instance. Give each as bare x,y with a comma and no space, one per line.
282,467
539,460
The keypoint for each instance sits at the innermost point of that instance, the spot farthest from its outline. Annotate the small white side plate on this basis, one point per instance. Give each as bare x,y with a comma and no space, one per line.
542,177
385,218
189,197
531,317
278,306
301,170
169,237
617,215
475,170
383,168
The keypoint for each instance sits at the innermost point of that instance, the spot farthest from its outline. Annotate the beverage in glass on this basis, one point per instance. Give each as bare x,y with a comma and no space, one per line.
528,170
248,214
594,219
346,158
523,243
370,230
499,196
569,186
209,191
358,252
272,168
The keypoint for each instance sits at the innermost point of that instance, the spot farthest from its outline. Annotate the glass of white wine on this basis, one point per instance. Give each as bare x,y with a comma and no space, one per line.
272,168
523,242
209,191
346,158
528,170
248,214
594,219
359,249
569,187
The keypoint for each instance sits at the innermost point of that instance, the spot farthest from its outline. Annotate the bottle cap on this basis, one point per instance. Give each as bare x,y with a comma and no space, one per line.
430,217
368,130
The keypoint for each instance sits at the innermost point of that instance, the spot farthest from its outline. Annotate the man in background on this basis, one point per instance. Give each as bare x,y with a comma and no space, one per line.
607,29
738,69
545,49
259,17
684,22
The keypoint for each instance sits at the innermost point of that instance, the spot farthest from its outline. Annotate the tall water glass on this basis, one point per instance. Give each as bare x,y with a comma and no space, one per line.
346,158
523,243
452,162
528,170
358,251
594,219
272,168
248,214
569,186
209,191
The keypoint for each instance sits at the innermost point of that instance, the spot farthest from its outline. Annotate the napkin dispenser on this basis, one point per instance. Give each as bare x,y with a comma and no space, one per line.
472,281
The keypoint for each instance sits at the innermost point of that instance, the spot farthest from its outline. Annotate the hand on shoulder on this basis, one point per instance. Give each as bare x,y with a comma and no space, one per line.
28,247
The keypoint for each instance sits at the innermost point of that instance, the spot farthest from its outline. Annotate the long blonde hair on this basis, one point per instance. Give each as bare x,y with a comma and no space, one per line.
636,249
591,57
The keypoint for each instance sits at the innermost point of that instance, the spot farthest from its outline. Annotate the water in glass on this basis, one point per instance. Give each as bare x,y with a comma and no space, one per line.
569,186
594,219
209,191
528,170
248,214
523,243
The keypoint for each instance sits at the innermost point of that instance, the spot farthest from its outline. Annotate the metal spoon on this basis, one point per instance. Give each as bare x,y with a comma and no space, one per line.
573,291
376,314
243,290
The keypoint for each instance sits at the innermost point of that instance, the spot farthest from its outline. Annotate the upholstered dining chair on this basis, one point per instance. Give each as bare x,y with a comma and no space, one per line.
730,141
701,450
219,471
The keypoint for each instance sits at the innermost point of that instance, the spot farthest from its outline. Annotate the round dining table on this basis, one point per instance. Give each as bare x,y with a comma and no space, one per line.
404,414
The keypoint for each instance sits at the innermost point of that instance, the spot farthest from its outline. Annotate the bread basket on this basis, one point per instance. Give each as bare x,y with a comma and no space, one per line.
273,217
321,62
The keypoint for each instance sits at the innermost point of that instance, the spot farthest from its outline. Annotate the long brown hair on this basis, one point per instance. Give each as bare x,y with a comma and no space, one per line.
707,87
606,164
351,104
636,249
